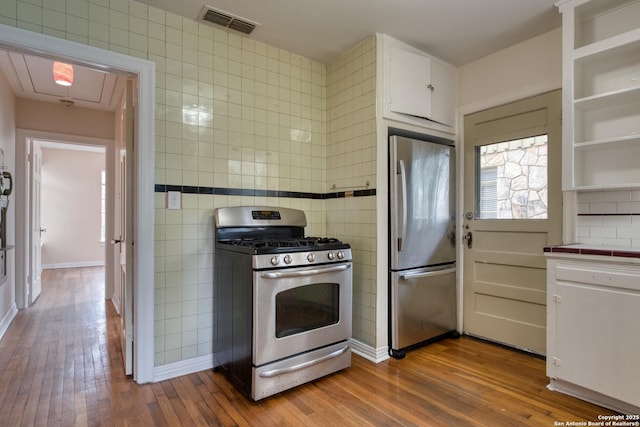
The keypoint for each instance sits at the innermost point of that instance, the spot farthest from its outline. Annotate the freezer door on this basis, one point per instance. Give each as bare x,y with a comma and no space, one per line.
422,198
423,305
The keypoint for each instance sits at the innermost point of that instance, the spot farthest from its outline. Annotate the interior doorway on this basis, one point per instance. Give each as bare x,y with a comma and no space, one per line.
15,39
71,207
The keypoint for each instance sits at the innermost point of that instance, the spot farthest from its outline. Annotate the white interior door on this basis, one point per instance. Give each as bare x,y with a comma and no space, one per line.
35,264
118,227
126,241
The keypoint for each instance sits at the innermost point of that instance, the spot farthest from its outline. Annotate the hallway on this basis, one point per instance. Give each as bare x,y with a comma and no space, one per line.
61,357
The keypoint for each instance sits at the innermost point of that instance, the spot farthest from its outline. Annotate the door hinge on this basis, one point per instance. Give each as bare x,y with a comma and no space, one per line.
556,362
557,299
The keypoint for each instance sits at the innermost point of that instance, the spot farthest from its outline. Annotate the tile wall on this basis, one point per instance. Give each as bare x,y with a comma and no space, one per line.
233,113
609,218
351,163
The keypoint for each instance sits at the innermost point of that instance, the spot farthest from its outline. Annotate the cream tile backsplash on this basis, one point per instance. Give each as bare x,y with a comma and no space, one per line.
234,113
351,162
610,218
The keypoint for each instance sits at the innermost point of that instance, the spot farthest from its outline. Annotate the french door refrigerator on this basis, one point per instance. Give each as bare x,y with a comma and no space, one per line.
422,253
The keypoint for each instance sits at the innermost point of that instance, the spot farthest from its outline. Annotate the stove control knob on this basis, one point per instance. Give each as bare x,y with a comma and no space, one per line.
287,259
331,256
340,255
311,257
275,260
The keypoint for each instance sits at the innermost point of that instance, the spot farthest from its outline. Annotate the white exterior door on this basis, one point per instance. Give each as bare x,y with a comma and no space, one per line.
512,210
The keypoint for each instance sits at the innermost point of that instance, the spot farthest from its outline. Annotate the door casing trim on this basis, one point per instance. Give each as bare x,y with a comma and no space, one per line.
17,39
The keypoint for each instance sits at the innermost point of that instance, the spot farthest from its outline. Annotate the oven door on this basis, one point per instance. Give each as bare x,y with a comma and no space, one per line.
300,309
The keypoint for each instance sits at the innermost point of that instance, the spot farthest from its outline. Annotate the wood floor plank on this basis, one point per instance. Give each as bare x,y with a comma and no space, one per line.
61,364
169,415
190,399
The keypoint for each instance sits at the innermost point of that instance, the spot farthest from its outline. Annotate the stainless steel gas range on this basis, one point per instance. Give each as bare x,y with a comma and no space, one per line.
283,300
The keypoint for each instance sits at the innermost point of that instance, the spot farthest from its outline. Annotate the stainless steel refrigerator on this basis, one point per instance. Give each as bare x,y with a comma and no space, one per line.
422,253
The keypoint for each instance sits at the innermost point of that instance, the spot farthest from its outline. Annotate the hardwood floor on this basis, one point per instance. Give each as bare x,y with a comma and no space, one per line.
60,365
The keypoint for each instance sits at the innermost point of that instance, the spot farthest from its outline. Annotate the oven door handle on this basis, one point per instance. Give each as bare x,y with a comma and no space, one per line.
276,372
300,273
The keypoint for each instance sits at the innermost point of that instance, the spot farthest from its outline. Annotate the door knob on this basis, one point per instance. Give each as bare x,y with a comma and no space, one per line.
116,241
468,238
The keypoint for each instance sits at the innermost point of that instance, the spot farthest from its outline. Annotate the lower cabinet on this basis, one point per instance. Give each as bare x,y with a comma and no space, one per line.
593,329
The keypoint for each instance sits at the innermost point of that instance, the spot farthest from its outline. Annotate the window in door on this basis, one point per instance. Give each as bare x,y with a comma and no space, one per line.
512,179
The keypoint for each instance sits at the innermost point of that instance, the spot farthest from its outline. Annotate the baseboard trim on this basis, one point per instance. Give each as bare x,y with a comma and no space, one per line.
73,264
7,319
202,363
184,367
116,304
591,396
375,355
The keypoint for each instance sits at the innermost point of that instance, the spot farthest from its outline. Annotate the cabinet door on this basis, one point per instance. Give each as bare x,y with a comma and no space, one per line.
442,94
410,75
597,343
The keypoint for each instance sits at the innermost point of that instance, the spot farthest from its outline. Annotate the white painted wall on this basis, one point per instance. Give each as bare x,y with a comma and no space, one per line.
71,208
7,136
49,117
520,71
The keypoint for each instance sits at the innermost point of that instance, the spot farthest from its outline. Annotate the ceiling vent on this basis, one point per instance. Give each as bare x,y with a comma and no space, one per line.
228,20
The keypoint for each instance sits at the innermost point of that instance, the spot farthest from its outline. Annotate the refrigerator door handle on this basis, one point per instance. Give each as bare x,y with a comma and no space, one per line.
422,274
403,184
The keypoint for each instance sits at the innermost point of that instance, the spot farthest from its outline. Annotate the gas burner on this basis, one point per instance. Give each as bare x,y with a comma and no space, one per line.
322,240
302,243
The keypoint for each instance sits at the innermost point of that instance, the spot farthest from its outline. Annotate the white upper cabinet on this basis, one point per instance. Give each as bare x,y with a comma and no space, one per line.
601,104
410,83
418,89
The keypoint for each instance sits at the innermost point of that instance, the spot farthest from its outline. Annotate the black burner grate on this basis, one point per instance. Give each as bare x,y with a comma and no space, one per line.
285,243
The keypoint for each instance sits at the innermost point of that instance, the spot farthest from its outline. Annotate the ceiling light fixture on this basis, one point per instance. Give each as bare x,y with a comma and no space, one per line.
63,73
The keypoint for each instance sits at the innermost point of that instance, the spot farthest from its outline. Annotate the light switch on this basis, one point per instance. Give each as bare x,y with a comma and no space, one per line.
174,199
